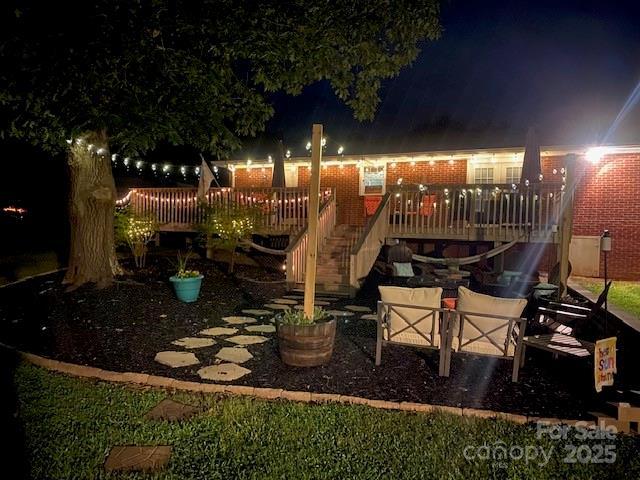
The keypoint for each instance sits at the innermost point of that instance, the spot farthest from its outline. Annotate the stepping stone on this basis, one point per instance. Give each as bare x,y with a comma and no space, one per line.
234,354
171,411
293,297
239,320
321,303
369,316
194,342
327,299
258,312
277,306
225,372
130,458
358,308
214,331
176,359
301,307
340,313
284,301
261,328
247,339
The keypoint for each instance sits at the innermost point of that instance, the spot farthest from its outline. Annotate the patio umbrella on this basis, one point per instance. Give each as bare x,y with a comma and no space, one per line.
277,179
531,164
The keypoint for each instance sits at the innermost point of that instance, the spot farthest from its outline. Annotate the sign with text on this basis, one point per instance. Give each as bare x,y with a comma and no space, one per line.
605,362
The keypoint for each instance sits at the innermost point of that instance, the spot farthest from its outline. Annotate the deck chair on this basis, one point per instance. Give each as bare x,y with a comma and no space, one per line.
410,317
566,318
486,325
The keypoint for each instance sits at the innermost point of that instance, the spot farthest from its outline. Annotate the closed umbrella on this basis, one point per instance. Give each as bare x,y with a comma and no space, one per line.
531,169
277,179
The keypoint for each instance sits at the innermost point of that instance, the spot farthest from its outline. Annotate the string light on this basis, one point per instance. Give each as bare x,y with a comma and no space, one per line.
288,154
268,158
340,150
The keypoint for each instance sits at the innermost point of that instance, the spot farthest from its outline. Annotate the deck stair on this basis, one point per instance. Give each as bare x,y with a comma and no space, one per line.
332,273
624,416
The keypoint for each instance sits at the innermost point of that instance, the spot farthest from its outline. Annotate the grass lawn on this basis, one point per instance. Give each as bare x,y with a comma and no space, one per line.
68,426
624,295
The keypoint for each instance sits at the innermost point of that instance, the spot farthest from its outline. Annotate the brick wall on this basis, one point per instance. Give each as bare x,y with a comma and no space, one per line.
423,172
253,177
607,196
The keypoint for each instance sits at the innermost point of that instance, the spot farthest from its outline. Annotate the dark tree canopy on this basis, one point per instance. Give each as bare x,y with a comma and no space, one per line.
192,73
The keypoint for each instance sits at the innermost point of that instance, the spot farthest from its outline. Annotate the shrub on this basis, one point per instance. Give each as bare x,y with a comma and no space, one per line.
136,232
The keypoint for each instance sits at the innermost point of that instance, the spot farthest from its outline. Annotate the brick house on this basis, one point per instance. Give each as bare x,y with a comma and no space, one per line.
606,196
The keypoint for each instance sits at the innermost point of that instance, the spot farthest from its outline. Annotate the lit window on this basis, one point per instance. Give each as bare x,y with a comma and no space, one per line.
513,175
372,180
484,175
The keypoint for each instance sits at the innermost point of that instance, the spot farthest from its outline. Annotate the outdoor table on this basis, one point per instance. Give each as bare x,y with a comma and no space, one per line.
558,344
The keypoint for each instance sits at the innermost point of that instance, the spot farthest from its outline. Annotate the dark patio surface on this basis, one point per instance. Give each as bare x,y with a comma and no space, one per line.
123,327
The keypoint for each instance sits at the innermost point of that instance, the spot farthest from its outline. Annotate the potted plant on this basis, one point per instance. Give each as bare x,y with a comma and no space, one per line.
186,283
304,341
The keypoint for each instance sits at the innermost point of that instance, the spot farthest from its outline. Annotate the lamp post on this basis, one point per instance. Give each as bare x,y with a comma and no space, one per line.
605,246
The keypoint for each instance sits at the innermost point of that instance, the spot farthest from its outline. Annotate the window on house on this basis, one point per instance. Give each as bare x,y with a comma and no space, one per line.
483,175
513,175
372,178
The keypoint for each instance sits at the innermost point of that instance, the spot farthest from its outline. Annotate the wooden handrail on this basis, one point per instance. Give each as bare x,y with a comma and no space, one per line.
365,251
365,233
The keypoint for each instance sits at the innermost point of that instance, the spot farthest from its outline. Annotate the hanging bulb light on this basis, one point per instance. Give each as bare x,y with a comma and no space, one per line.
308,146
288,154
340,150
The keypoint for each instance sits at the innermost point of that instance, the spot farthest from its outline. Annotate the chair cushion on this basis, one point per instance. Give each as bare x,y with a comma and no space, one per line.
402,269
400,318
476,325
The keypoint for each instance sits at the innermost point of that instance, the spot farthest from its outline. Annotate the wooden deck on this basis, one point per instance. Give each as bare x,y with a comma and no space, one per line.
498,213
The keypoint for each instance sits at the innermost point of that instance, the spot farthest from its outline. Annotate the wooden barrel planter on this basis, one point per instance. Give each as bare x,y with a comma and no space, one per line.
306,345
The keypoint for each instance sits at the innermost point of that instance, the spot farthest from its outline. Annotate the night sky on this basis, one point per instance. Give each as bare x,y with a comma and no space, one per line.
564,66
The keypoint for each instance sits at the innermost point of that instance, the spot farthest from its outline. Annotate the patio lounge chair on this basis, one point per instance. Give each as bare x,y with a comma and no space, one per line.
486,325
410,317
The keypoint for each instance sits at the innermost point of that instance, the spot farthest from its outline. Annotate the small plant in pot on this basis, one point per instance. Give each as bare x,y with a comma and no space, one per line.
304,341
186,283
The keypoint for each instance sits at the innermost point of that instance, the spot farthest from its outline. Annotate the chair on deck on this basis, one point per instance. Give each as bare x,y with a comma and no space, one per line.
410,317
486,325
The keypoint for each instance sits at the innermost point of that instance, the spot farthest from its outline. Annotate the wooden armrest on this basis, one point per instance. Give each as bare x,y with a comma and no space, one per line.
561,312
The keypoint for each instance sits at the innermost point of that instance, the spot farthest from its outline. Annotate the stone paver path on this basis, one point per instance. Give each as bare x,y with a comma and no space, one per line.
214,331
171,411
234,320
261,328
277,306
358,308
340,313
234,354
284,301
257,312
176,359
225,372
131,458
247,339
194,342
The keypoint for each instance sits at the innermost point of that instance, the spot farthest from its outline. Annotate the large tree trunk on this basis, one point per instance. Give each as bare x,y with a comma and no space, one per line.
92,255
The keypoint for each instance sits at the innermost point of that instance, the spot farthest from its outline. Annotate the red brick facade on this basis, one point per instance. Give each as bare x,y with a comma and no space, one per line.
607,196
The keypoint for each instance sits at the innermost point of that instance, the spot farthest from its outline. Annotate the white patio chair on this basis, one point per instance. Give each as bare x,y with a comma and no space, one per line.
486,325
410,317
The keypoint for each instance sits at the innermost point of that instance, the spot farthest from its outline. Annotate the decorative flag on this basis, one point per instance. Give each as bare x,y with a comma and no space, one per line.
605,362
206,177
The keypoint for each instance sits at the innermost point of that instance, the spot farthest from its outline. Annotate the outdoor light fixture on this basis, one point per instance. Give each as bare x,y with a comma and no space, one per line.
595,154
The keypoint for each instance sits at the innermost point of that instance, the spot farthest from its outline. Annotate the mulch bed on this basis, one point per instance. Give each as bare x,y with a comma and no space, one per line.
121,328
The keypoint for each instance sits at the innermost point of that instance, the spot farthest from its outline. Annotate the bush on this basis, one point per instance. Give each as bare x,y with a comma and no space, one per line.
136,232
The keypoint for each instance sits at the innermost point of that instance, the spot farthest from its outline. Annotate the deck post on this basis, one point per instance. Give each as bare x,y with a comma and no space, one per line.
566,222
312,218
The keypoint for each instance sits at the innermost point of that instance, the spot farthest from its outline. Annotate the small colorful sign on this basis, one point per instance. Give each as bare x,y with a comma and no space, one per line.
605,362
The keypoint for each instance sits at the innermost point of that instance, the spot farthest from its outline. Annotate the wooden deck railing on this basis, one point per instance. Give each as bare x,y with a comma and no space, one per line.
476,212
366,250
297,249
178,209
